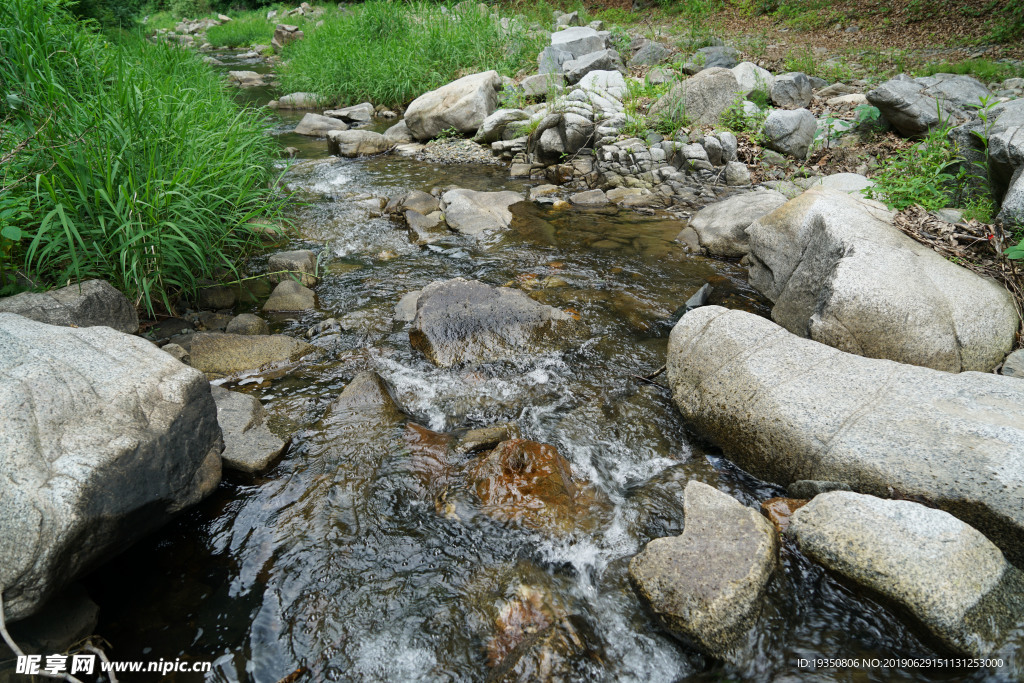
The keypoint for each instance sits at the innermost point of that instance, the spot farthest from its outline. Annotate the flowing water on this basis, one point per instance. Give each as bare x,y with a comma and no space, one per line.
337,561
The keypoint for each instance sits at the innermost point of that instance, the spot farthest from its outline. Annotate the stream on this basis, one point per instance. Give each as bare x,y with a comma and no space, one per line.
335,560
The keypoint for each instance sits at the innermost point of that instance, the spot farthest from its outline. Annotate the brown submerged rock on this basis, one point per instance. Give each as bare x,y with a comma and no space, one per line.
779,510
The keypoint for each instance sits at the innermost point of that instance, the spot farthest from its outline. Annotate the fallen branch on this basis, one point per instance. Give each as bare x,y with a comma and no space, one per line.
21,653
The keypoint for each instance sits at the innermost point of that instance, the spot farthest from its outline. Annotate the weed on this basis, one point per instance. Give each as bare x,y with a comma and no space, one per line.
389,53
129,161
985,70
251,28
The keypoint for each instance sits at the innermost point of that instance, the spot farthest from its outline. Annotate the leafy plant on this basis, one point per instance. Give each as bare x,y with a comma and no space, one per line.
924,175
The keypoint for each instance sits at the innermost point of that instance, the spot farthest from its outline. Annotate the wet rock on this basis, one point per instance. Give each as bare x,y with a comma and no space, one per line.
221,354
914,106
563,651
300,265
91,303
560,135
651,53
217,297
471,212
947,574
289,295
247,323
357,143
211,321
486,438
461,105
751,77
791,91
405,309
427,229
367,398
356,115
790,132
705,586
414,200
840,273
780,510
316,125
108,436
701,99
465,321
527,483
248,445
722,227
63,621
955,440
590,198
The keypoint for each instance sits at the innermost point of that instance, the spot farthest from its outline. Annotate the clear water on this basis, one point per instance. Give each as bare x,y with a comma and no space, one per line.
337,559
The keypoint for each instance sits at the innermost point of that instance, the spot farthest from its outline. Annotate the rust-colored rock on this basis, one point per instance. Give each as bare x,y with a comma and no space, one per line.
429,457
529,483
779,510
526,614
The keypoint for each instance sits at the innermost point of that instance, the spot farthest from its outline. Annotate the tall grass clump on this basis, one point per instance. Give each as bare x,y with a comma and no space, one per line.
125,161
243,30
390,52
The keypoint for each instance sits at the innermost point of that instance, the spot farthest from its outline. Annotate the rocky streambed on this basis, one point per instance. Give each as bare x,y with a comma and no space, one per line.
470,454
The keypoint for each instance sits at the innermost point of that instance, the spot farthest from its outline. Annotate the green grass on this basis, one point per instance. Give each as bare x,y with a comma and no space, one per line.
389,53
985,70
125,161
250,28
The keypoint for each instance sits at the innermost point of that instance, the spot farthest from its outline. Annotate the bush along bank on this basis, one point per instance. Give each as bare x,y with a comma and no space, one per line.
123,160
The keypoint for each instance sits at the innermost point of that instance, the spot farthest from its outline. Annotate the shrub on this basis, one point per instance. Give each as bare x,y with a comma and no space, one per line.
389,53
129,161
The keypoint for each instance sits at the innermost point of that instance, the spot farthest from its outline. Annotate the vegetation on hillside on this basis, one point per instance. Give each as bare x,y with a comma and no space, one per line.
389,53
123,160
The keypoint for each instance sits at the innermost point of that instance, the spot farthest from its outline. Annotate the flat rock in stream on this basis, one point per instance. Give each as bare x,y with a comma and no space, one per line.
220,354
465,321
248,445
316,125
289,295
471,212
706,585
721,228
947,574
955,440
357,143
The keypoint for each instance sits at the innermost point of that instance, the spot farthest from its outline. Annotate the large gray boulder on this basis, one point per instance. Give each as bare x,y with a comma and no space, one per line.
461,105
464,321
316,125
706,585
751,77
721,228
91,303
651,53
947,574
840,273
578,41
471,212
560,135
248,445
356,115
788,409
915,106
791,91
357,143
604,60
104,437
700,99
790,132
220,354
